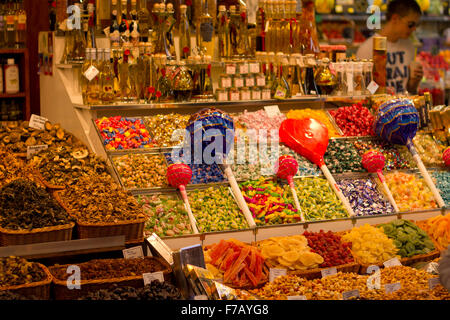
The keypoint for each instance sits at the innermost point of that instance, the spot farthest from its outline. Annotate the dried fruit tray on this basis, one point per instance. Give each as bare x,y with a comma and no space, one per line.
62,292
133,230
316,273
48,234
39,290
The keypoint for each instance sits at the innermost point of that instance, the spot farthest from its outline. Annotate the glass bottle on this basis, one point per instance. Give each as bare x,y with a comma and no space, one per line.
10,28
280,87
21,26
283,35
379,63
144,20
260,26
325,80
310,82
2,24
90,38
88,77
107,78
222,33
206,88
134,26
233,31
133,73
79,43
183,34
349,78
368,76
297,85
124,76
163,86
358,79
308,37
114,29
117,56
182,83
243,45
141,72
124,27
161,29
170,20
270,77
205,33
340,89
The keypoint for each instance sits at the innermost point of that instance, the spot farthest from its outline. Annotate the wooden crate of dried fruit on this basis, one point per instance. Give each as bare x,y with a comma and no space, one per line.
104,273
38,235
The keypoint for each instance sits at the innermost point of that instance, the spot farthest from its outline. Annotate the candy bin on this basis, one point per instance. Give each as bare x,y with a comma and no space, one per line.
394,158
163,126
429,150
354,120
342,156
442,181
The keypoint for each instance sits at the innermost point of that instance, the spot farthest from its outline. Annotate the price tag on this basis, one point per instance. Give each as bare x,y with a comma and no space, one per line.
433,282
372,87
132,253
243,68
392,287
91,73
260,81
328,272
238,82
149,277
201,297
35,149
272,111
254,67
37,122
392,263
296,298
275,273
350,294
230,69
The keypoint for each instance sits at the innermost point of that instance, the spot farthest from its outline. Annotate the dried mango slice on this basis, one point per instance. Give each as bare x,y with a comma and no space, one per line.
310,258
291,256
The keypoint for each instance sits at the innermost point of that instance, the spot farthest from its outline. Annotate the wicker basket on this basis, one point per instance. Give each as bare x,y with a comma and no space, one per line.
38,235
62,292
133,230
39,290
316,273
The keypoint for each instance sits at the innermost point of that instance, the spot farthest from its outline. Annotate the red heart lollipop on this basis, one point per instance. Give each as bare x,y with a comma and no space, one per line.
446,156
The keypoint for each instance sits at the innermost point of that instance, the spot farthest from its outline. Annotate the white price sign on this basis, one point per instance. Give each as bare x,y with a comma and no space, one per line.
35,149
296,297
37,122
91,73
272,111
149,277
433,282
201,297
372,87
275,273
350,294
133,253
392,263
328,272
392,287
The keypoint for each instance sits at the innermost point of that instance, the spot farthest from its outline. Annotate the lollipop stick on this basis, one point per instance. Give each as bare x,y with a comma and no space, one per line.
425,174
188,209
387,190
240,199
294,194
336,189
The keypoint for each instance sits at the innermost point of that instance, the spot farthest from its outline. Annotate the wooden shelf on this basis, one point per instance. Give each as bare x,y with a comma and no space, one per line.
13,95
12,51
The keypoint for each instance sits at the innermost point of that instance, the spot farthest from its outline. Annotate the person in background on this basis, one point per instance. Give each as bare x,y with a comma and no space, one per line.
444,269
402,72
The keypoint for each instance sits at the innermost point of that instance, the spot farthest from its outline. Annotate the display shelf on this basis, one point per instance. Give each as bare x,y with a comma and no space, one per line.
12,95
363,17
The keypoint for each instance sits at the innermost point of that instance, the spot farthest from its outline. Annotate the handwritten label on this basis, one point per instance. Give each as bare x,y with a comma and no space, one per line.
372,87
392,287
296,298
350,294
201,297
433,282
91,73
272,111
275,273
328,272
37,122
149,277
392,263
132,253
35,149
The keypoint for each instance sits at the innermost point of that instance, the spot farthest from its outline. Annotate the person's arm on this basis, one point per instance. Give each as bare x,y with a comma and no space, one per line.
415,75
444,269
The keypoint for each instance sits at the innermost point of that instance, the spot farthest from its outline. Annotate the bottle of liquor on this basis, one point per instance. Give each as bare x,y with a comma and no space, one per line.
182,83
2,24
205,33
10,33
79,42
134,26
133,73
243,47
124,76
144,20
280,86
141,71
233,31
260,26
84,81
117,56
94,86
107,78
170,20
183,34
270,28
21,26
222,32
124,27
310,82
90,38
114,29
297,85
270,77
150,71
309,40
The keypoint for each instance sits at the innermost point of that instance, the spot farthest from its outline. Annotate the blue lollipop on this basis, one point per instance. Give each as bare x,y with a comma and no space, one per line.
397,122
210,137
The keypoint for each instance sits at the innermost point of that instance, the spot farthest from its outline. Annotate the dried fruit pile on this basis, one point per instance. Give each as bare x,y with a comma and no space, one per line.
240,264
25,206
100,200
408,238
17,138
290,253
110,268
12,168
153,291
66,165
16,271
330,246
438,228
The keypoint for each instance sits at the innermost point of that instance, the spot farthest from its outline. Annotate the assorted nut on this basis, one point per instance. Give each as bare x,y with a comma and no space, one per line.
16,271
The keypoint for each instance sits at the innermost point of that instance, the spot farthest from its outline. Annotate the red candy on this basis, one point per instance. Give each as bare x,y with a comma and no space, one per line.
354,120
